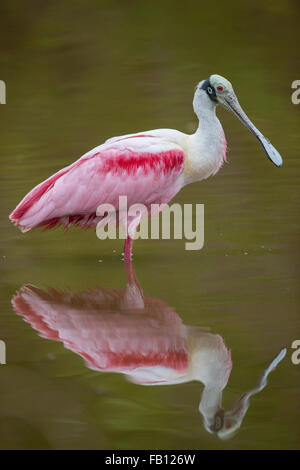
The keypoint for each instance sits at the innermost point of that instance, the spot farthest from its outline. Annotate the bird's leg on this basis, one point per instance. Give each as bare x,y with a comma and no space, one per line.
133,294
132,225
128,248
130,274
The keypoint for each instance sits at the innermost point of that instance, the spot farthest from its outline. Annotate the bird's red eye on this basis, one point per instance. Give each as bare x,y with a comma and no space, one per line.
219,88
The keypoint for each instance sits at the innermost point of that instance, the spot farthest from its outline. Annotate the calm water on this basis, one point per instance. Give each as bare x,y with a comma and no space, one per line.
74,78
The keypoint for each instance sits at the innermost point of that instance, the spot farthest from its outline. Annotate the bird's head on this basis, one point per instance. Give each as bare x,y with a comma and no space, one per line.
220,91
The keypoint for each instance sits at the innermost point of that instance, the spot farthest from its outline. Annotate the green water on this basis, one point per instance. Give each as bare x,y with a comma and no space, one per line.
80,72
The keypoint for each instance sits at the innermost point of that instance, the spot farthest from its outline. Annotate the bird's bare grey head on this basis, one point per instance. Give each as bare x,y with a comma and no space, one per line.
220,91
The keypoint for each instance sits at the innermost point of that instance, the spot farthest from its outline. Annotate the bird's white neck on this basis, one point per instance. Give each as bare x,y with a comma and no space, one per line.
207,146
205,109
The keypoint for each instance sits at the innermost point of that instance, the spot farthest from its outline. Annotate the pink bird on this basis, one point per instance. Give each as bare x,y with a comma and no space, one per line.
148,168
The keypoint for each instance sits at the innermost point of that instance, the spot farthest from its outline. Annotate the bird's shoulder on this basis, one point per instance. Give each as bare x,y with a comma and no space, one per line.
155,142
155,137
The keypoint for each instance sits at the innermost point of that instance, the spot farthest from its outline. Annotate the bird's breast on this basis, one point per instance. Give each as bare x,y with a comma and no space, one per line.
205,154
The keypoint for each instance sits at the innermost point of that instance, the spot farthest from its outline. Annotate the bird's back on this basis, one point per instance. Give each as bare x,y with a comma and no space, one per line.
143,167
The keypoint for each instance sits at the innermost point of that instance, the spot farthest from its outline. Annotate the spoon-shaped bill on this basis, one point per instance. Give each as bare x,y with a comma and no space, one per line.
231,103
233,418
270,150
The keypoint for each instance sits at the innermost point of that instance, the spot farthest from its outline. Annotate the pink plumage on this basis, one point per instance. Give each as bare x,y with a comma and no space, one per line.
122,330
110,331
119,168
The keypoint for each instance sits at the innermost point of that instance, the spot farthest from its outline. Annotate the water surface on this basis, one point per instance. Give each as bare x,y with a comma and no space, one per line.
75,78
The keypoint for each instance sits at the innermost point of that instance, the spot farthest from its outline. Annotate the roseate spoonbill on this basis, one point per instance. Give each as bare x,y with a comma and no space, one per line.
147,167
123,331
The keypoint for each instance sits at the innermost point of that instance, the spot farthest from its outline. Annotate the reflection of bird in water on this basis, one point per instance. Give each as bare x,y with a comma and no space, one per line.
121,330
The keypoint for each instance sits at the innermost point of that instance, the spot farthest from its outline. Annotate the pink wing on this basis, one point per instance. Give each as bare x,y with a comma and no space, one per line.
144,168
94,325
